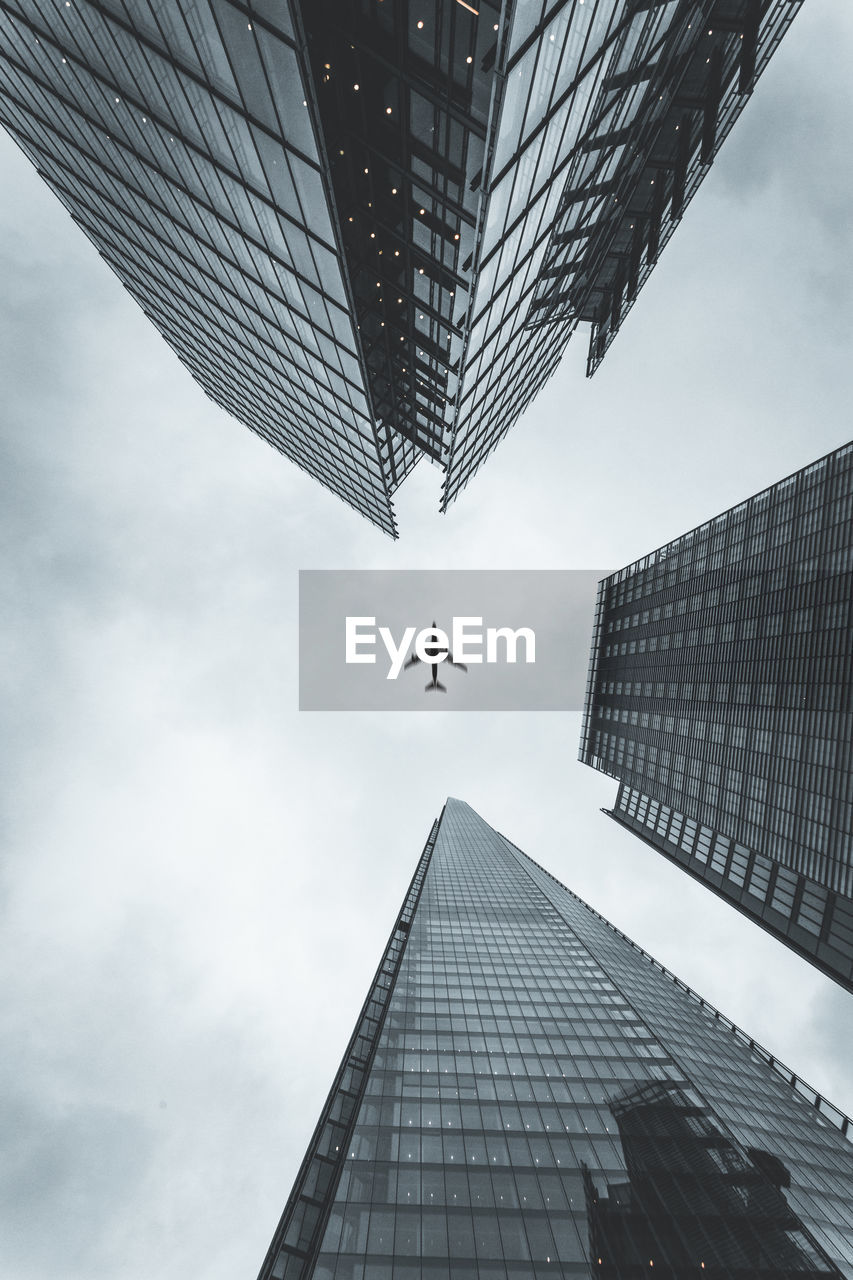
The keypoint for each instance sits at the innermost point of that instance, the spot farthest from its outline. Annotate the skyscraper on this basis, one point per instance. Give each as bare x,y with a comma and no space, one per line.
527,1093
369,230
719,694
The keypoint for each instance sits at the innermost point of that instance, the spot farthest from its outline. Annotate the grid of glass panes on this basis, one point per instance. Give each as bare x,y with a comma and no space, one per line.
677,81
725,669
180,139
517,1101
573,138
757,1100
805,914
556,54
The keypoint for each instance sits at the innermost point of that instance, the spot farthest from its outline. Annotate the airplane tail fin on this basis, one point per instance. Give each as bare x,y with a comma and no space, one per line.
433,687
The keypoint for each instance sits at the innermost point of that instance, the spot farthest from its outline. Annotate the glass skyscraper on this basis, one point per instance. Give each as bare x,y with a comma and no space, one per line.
528,1093
720,694
368,229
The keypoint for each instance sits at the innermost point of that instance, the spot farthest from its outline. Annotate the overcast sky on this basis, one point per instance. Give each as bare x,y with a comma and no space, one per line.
199,879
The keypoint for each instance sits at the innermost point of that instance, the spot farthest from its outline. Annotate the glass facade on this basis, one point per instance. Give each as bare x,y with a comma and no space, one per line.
535,1096
369,229
719,695
611,114
181,138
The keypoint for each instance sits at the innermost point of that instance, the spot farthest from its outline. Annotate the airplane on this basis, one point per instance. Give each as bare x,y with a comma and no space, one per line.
433,650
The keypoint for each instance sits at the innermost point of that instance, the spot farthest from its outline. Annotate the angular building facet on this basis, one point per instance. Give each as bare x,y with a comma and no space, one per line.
528,1094
720,694
369,229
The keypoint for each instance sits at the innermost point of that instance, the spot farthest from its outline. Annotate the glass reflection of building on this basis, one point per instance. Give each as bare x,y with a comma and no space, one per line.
719,694
369,229
690,1193
527,1092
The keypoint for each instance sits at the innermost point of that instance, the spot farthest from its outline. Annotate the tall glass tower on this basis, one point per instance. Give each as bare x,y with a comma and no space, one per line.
528,1093
720,694
369,228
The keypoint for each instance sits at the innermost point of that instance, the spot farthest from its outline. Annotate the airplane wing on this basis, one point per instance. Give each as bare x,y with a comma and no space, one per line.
413,661
461,665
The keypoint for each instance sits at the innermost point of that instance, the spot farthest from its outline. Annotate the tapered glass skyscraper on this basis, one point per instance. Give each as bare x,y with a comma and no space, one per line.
720,694
527,1093
369,229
